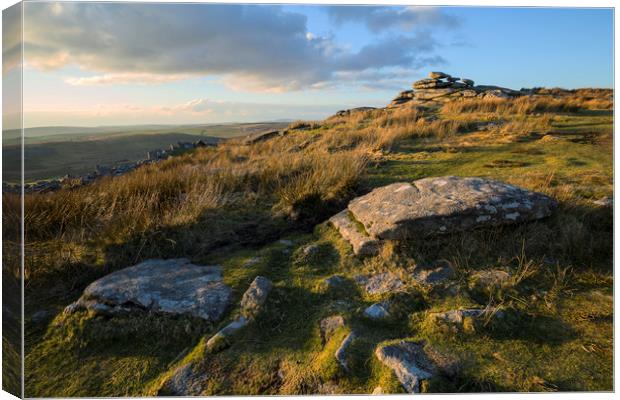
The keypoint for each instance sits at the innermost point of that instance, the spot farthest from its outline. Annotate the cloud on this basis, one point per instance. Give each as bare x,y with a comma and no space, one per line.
251,48
378,19
125,79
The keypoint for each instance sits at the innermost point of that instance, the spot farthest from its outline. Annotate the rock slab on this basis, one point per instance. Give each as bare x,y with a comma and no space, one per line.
363,245
434,206
255,296
172,286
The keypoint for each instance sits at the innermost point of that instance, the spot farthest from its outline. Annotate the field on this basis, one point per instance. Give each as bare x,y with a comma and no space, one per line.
54,152
235,203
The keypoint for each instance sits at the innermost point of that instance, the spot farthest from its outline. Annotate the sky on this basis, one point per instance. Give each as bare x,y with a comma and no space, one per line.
91,64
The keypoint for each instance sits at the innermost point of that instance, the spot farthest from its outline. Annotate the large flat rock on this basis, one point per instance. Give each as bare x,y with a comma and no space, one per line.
169,286
433,206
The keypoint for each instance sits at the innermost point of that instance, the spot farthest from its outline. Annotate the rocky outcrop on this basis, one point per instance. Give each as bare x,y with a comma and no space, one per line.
441,87
168,286
413,362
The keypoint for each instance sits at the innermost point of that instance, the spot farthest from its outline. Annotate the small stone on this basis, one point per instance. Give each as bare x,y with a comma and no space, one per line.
434,273
286,242
255,296
378,391
220,339
334,282
377,311
329,326
380,283
340,354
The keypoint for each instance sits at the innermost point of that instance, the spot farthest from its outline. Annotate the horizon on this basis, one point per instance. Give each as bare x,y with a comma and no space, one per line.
232,63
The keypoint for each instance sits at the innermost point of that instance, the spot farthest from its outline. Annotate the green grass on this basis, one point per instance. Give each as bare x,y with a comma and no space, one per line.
557,324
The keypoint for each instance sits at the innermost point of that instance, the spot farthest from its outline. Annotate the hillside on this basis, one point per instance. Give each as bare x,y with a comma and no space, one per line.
525,306
55,152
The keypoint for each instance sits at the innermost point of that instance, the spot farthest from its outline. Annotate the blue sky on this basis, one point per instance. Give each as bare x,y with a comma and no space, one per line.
108,64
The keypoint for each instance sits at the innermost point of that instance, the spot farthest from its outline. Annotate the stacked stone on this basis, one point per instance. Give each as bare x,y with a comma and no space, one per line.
442,87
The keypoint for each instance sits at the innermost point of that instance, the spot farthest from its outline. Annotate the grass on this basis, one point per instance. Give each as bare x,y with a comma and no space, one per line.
231,204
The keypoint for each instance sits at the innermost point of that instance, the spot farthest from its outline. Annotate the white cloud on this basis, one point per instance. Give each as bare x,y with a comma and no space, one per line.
264,48
125,78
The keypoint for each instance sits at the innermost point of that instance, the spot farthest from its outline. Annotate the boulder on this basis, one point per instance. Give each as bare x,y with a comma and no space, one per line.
172,286
413,362
468,82
380,283
433,206
256,295
433,273
363,245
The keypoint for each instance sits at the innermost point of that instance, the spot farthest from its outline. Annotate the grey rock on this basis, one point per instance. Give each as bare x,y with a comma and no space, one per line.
341,352
329,326
433,206
377,311
380,283
363,245
286,242
256,295
433,273
413,362
172,286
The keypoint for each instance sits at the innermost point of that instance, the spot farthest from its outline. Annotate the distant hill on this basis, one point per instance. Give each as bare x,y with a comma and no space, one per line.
52,152
74,133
